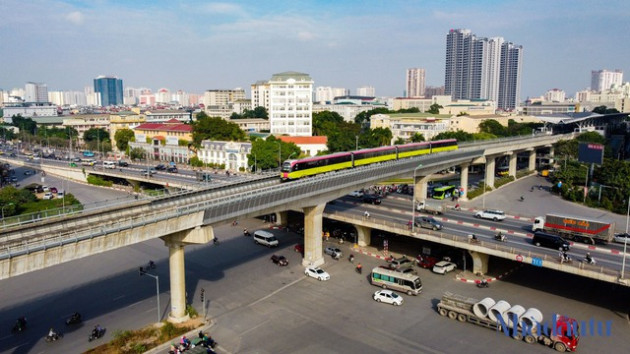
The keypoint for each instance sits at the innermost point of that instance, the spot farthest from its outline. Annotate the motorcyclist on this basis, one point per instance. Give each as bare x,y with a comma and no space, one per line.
245,232
51,333
359,268
522,198
589,259
351,258
473,237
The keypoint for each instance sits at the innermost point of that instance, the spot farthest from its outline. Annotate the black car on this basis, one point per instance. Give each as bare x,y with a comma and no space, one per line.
279,260
122,163
160,167
172,169
371,198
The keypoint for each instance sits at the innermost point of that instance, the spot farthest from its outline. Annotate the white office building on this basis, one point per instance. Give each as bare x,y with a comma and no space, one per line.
290,104
326,94
366,91
602,80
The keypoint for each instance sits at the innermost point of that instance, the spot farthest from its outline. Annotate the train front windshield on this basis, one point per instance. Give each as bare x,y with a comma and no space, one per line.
286,166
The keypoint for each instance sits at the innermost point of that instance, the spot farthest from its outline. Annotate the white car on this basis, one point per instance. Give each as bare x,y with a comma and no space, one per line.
496,215
388,297
48,195
444,267
317,273
356,194
61,194
622,238
333,252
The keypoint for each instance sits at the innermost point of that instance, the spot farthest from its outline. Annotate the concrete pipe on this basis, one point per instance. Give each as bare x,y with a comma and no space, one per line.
531,318
498,310
481,308
514,314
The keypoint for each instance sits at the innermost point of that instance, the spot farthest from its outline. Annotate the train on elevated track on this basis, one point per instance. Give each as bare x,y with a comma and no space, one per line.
296,169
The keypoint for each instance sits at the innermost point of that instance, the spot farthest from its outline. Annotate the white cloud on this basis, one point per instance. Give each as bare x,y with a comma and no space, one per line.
223,8
305,36
75,17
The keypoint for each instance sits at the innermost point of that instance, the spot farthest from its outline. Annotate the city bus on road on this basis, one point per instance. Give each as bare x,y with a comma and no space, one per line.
391,279
88,153
443,192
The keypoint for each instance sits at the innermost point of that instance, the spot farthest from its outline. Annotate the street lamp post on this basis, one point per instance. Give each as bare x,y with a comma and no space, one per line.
157,289
625,241
413,200
356,143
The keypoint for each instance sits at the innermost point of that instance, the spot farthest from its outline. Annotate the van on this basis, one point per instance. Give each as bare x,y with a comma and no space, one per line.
265,238
550,241
109,164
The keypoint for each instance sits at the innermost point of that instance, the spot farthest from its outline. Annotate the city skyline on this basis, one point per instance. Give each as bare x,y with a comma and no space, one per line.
196,46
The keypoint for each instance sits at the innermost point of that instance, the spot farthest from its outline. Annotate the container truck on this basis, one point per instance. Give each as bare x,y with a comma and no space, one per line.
575,228
562,334
430,207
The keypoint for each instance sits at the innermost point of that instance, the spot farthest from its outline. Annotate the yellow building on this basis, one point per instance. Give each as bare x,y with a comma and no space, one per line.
470,124
124,120
170,132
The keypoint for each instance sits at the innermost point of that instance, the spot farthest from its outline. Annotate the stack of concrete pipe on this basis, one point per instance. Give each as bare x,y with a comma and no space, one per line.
488,308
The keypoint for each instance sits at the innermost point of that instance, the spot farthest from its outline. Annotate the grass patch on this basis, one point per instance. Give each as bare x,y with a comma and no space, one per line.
479,191
98,181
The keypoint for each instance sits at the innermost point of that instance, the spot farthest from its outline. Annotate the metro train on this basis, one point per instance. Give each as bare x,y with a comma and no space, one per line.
296,169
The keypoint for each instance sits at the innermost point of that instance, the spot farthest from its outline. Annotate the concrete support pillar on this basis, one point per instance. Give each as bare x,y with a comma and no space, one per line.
551,155
480,262
420,188
281,218
178,282
313,235
463,181
364,235
532,160
490,166
512,165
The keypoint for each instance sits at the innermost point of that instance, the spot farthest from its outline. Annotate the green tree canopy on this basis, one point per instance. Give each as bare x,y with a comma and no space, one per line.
604,110
434,109
399,141
492,126
258,112
325,122
123,137
417,137
26,125
460,135
96,134
364,117
7,134
137,154
265,153
215,128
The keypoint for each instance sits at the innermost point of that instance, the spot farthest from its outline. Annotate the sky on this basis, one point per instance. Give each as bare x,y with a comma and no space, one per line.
199,45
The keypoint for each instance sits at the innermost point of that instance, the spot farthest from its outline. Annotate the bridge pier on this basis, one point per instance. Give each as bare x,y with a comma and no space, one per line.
480,262
281,218
532,160
420,187
363,235
313,235
512,164
490,166
177,272
463,181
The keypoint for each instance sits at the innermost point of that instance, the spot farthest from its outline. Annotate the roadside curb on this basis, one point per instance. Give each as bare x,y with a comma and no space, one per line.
461,278
164,347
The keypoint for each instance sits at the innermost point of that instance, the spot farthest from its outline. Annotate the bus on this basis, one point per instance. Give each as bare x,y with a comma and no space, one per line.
443,192
88,153
405,282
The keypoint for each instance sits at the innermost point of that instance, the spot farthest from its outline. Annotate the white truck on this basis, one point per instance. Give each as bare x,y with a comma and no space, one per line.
429,206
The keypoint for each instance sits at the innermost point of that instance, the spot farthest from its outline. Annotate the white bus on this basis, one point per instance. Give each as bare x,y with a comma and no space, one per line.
109,164
391,279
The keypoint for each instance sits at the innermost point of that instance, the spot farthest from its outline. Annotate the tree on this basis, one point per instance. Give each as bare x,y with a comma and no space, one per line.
417,137
260,112
365,116
26,125
460,135
399,141
604,110
325,122
215,128
591,137
123,137
265,153
7,134
492,126
136,154
96,134
434,109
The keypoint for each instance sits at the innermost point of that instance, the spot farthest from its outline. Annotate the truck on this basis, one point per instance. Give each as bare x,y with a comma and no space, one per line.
562,335
575,228
429,206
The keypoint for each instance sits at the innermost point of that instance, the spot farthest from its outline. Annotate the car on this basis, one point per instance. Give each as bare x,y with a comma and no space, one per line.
13,179
426,262
356,194
401,262
171,169
388,297
279,260
76,159
428,223
495,215
371,199
29,172
149,172
444,267
46,189
61,194
122,163
333,252
299,248
12,154
48,195
317,273
53,190
160,167
622,238
406,270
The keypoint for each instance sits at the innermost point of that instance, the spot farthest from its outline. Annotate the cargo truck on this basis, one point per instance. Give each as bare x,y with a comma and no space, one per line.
430,207
562,335
575,228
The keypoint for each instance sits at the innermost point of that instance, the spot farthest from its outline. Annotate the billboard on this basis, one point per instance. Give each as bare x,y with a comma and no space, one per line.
591,153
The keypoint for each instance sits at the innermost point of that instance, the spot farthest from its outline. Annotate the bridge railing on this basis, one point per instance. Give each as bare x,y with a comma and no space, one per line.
465,242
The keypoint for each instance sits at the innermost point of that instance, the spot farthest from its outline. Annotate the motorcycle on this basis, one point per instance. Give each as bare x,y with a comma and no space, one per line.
96,334
359,269
19,326
500,237
246,233
74,319
483,284
351,258
54,337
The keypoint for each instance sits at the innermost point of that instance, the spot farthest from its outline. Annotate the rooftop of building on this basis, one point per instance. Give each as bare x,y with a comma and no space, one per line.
166,127
418,115
284,76
303,140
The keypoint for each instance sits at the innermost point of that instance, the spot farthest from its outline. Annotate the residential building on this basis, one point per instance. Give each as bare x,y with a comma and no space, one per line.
161,141
545,108
602,80
309,145
164,115
326,94
470,124
163,96
290,112
251,125
482,68
555,95
406,125
260,94
242,105
124,120
230,154
423,104
431,91
222,97
415,83
347,110
36,92
367,91
67,98
84,122
469,107
29,110
110,90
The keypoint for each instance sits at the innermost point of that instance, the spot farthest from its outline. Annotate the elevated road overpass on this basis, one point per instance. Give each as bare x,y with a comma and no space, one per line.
188,218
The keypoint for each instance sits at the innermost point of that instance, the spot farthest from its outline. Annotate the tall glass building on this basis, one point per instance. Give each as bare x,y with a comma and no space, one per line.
110,90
